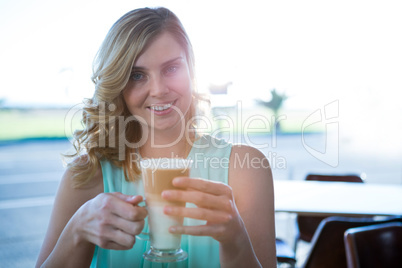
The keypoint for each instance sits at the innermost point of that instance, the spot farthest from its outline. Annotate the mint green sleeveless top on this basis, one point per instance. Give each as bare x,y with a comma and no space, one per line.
211,162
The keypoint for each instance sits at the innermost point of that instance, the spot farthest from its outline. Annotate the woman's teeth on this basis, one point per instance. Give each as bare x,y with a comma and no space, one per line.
161,108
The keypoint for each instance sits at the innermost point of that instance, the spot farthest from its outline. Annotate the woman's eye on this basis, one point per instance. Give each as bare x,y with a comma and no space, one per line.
171,69
137,76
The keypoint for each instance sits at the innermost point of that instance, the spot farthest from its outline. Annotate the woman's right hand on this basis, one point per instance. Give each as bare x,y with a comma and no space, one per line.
110,220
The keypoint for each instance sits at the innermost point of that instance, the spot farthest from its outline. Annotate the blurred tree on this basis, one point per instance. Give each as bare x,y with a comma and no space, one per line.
275,104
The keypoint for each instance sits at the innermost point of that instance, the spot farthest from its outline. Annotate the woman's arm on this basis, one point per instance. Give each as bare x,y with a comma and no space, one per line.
68,200
240,216
85,217
250,177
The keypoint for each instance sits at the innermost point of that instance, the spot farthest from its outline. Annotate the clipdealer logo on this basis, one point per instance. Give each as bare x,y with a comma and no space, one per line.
328,116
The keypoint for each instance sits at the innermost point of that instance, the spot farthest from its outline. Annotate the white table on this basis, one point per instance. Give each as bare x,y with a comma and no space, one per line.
337,198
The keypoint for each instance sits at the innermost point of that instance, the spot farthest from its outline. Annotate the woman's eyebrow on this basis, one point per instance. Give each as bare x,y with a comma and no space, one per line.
172,61
140,68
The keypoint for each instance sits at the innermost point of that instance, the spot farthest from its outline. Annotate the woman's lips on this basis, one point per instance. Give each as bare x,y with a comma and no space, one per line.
162,109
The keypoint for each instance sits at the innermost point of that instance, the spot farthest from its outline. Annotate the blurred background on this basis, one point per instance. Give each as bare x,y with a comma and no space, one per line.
313,52
329,71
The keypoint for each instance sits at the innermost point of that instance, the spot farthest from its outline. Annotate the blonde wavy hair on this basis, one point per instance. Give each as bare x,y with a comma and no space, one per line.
128,38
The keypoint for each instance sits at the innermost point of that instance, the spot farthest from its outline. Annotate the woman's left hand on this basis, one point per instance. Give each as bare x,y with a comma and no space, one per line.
215,204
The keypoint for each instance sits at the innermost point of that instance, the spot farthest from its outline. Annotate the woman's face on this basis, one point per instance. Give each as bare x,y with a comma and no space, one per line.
159,90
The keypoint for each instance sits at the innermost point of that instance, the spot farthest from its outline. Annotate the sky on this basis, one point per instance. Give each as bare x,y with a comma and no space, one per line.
316,52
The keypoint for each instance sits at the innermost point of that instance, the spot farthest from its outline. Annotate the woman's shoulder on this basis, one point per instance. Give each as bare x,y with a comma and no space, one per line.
247,151
73,178
248,161
249,172
71,197
209,144
208,141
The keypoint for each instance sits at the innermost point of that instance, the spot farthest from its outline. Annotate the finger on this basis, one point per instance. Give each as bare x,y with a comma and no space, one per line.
201,230
117,239
211,216
200,199
135,200
211,187
129,227
132,199
115,205
131,213
115,246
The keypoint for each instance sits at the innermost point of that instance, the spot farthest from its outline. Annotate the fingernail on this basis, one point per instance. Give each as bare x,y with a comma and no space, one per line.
131,197
168,209
172,229
176,180
165,194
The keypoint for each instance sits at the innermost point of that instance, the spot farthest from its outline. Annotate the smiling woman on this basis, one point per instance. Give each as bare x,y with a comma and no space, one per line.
145,106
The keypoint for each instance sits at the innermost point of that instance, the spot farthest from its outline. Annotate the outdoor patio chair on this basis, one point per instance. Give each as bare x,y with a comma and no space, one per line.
327,246
377,245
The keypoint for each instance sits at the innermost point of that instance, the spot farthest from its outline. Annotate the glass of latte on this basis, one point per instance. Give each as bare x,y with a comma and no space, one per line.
157,176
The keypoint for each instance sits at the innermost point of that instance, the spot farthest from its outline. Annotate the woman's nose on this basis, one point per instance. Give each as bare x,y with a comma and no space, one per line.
157,87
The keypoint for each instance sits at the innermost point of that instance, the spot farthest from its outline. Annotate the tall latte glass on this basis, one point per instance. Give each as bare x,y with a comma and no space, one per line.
157,175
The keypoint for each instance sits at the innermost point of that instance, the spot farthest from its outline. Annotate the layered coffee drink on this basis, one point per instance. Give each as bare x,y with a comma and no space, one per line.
158,175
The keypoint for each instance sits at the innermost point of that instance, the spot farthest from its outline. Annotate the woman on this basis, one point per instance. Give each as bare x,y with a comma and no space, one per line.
144,106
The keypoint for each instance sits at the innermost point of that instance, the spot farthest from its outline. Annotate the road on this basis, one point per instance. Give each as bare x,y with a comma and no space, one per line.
30,172
29,176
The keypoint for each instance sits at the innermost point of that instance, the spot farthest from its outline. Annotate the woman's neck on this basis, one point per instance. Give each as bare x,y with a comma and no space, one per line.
167,144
